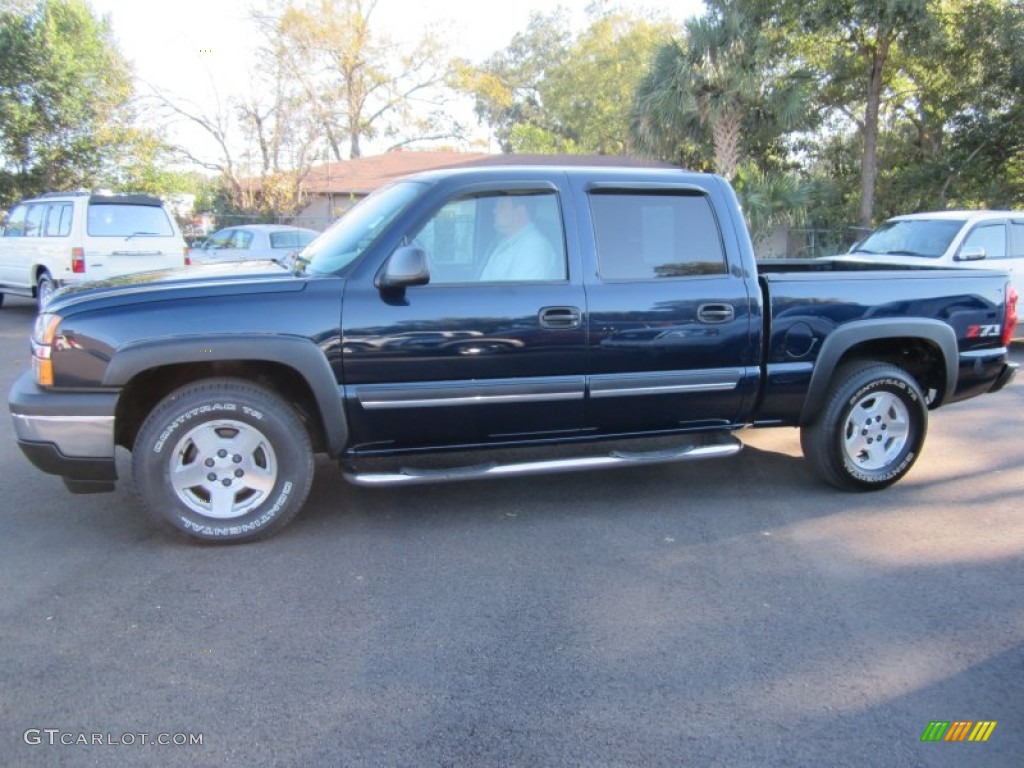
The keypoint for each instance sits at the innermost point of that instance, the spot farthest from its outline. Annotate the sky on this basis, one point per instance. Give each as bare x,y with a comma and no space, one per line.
201,50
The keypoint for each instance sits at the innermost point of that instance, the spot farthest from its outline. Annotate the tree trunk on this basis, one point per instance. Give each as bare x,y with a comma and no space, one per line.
726,132
869,170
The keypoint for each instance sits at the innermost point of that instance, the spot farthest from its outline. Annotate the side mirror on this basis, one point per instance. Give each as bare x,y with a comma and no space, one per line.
405,267
971,253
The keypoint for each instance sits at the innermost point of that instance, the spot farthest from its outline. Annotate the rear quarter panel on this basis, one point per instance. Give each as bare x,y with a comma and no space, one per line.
959,312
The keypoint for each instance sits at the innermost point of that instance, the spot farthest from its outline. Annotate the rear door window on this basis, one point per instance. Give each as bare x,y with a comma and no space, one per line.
650,235
127,220
242,239
58,220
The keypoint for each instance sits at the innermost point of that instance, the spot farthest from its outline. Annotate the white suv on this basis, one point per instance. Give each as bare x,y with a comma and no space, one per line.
62,238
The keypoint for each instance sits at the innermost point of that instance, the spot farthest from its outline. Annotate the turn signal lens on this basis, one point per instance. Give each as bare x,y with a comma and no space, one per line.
42,370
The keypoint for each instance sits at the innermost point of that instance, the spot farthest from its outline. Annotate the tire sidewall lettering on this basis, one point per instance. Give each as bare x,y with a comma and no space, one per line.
897,386
201,410
205,529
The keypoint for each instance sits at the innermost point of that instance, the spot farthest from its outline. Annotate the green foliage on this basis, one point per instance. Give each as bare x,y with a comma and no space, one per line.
770,199
550,92
64,92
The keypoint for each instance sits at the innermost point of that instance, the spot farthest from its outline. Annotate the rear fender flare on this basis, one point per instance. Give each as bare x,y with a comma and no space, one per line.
841,340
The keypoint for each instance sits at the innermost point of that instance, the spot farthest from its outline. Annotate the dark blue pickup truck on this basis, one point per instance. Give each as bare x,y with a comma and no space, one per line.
495,308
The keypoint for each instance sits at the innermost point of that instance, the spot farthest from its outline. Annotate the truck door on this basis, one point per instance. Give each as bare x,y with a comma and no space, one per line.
493,349
673,341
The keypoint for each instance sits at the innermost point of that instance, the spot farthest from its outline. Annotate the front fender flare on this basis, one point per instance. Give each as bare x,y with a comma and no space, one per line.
301,355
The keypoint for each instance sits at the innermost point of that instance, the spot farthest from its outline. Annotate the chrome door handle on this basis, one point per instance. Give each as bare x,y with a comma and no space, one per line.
560,317
715,313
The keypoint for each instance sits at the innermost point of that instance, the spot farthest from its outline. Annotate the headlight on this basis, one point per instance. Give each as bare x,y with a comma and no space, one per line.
43,334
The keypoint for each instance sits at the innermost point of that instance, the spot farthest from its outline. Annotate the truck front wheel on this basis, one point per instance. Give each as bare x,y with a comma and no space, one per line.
223,460
871,430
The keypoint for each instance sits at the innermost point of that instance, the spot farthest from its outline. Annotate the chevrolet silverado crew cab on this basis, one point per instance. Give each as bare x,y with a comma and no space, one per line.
456,313
62,238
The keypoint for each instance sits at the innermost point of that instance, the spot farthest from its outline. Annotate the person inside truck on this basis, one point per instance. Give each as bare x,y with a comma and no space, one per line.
523,252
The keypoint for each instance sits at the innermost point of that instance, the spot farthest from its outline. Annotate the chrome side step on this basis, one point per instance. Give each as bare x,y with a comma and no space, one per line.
708,447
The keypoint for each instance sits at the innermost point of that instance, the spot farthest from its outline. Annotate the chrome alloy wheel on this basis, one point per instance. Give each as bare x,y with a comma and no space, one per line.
876,430
223,469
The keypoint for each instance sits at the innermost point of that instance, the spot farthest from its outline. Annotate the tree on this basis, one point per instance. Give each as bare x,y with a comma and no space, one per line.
65,95
358,82
968,114
550,92
722,99
507,86
855,44
951,117
721,83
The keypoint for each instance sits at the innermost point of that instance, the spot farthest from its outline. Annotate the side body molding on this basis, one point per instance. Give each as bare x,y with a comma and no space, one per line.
299,354
842,339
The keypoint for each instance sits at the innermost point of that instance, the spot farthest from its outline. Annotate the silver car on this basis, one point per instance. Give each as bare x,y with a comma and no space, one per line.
249,242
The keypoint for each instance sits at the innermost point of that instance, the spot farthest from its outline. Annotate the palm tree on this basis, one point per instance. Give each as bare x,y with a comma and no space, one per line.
722,90
719,84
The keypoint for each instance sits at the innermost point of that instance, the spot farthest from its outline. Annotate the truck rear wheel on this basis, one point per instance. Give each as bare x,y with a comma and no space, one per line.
223,460
871,430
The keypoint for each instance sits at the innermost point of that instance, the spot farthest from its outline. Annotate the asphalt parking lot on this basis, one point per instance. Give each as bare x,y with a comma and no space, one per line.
728,613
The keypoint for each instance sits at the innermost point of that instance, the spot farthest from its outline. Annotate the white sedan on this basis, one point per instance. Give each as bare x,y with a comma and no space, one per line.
253,241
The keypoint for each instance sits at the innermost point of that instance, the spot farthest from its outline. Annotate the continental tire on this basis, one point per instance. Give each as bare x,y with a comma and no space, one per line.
871,430
223,460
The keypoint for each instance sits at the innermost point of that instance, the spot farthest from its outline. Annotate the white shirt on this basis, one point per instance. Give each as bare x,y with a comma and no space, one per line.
525,255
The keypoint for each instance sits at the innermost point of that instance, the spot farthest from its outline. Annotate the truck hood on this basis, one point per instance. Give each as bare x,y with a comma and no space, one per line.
204,280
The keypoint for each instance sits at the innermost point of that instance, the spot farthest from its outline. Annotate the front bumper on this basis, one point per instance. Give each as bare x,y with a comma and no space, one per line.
70,434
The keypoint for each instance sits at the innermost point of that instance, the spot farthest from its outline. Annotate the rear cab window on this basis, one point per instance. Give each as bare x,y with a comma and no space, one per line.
291,239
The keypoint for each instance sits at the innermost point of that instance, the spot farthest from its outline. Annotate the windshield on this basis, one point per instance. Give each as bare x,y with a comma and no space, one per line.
911,237
352,234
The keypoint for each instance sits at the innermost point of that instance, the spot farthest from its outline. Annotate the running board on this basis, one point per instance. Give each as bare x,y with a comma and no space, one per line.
711,447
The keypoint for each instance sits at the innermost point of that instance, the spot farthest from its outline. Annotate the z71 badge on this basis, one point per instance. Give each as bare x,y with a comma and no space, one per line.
983,331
